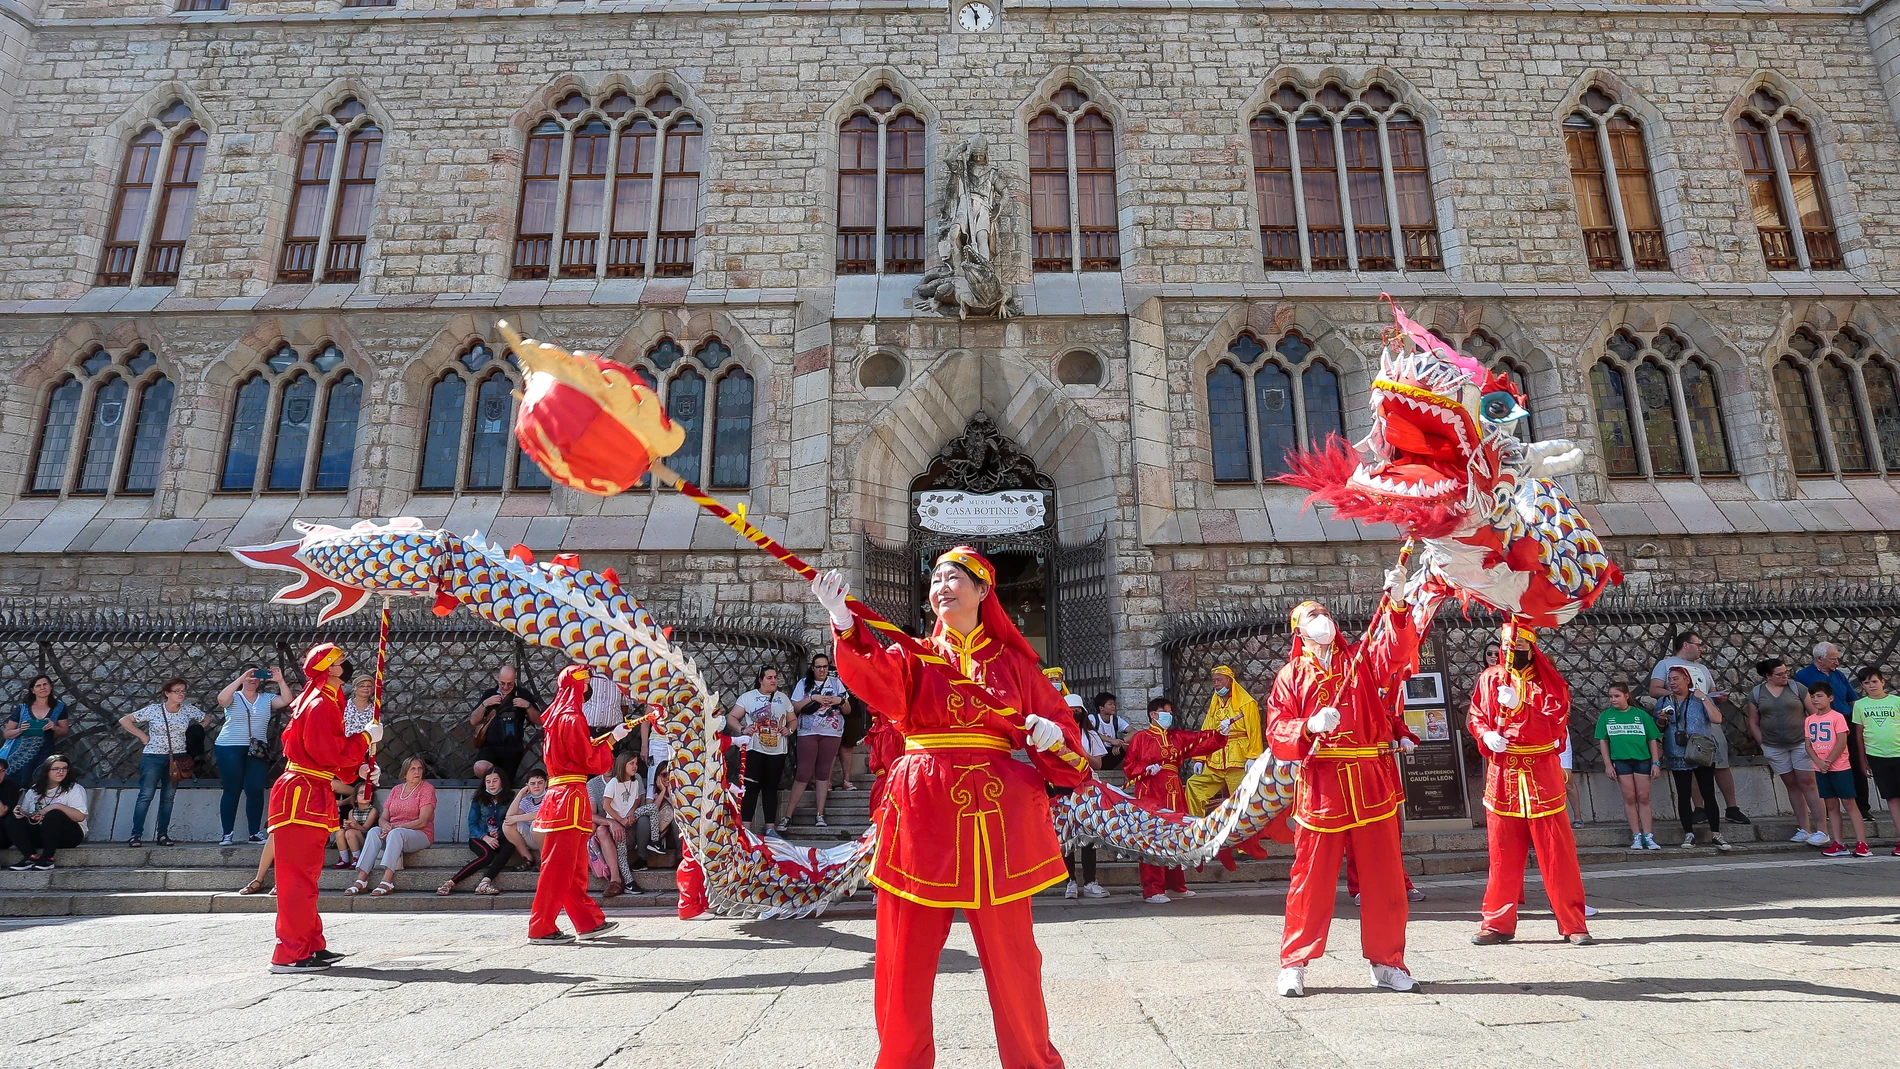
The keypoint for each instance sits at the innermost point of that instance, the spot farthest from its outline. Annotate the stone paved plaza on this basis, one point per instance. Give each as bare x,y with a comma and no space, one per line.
1702,963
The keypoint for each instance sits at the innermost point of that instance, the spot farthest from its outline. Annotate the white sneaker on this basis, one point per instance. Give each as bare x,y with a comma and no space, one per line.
1293,981
1590,910
1800,835
226,841
1818,838
1650,843
1355,900
1094,890
1071,891
1157,900
1187,894
1688,841
1392,977
820,822
1636,841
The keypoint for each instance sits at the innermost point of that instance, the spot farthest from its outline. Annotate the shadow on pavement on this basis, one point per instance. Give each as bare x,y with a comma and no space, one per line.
453,976
1664,989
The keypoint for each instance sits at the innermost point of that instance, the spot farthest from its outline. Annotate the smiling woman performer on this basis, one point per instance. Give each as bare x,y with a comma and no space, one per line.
964,825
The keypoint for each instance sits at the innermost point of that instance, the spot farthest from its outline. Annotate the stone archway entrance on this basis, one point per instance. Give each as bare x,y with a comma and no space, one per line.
982,490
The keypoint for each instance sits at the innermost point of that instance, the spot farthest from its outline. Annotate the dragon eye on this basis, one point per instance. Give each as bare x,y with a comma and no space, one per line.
1499,406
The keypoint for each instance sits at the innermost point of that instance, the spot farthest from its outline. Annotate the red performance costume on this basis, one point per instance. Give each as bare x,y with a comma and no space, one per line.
1349,784
1523,705
566,818
963,824
885,745
1158,746
303,807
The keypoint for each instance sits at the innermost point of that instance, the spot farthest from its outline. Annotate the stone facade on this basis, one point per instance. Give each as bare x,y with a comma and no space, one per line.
456,88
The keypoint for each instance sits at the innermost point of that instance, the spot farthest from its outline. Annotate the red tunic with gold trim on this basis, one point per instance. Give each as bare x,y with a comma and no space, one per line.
571,756
316,751
885,746
1349,778
1154,746
964,823
1527,779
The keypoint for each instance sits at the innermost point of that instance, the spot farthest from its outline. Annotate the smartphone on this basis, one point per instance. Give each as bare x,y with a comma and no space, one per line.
260,675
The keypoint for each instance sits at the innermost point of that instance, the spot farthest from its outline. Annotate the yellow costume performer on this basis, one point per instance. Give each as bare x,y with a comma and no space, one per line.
1245,742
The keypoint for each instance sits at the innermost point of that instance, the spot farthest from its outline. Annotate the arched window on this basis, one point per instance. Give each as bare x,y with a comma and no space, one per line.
732,430
85,427
1357,162
717,424
686,405
643,146
1276,399
1073,222
293,427
1827,392
1616,195
158,191
1785,194
330,204
881,188
1658,410
468,442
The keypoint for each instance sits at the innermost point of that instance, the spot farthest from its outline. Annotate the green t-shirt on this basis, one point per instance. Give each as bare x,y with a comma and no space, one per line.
1879,720
1628,731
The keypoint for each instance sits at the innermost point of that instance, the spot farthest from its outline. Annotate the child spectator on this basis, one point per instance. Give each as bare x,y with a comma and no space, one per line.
520,825
487,813
1878,715
1827,748
1632,757
354,828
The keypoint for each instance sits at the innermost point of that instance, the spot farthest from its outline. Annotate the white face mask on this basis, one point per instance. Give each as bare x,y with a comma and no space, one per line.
1319,630
1164,720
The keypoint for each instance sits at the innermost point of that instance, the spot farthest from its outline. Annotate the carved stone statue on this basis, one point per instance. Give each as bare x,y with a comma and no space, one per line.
964,280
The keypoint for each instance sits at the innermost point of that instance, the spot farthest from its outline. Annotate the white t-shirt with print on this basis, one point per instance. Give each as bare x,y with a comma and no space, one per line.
816,721
760,717
73,797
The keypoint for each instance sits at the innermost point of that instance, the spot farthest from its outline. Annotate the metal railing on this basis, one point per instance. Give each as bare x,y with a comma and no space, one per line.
110,663
1620,639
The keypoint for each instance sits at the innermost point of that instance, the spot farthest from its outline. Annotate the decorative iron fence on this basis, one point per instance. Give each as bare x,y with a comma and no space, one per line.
105,665
1619,639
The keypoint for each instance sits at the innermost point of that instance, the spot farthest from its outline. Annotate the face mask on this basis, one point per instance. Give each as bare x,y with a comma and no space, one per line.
1222,689
1319,630
1164,720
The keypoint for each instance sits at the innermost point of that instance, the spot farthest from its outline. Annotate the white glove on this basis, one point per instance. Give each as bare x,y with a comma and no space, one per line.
621,731
742,741
1406,745
1152,770
1508,696
1395,582
363,772
1043,734
831,590
1323,721
1227,726
375,732
1495,741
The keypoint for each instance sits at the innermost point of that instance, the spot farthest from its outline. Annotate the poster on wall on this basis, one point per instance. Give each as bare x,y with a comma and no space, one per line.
1434,772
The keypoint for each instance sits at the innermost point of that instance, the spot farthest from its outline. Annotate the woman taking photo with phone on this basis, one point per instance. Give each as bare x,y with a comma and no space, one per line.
242,749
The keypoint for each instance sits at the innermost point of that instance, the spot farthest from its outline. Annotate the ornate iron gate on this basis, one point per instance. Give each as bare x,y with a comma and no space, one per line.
1081,640
890,583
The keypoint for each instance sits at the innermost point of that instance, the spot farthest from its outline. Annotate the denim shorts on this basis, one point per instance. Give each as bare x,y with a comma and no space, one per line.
1836,784
1632,768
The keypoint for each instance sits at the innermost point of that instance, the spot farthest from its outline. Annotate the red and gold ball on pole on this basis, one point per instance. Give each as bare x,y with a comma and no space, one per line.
589,422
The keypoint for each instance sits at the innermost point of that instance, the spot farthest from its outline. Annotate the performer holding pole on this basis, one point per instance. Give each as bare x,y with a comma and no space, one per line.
963,825
1520,709
1335,708
566,819
303,808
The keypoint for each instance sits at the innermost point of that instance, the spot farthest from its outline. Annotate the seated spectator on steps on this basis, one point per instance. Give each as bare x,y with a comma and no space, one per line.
487,812
50,817
623,819
519,827
10,791
1104,733
266,861
352,831
408,825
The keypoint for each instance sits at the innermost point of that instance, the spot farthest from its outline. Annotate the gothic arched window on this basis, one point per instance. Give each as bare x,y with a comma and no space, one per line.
1616,194
158,192
1073,221
468,443
646,147
330,204
1277,399
1658,411
294,425
710,396
105,422
881,188
1785,194
1357,160
1829,393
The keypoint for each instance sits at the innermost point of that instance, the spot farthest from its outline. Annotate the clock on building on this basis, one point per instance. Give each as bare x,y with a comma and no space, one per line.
976,16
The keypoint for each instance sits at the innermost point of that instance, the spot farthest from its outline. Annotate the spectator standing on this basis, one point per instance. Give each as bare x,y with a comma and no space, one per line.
1079,859
1827,748
1827,666
1632,758
408,825
487,815
759,720
242,748
50,817
1777,718
161,727
820,702
519,827
1103,732
354,825
1686,649
1685,713
37,724
1878,717
500,722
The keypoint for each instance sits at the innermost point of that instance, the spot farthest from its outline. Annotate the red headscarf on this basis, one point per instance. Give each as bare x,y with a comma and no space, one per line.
321,658
991,616
570,692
